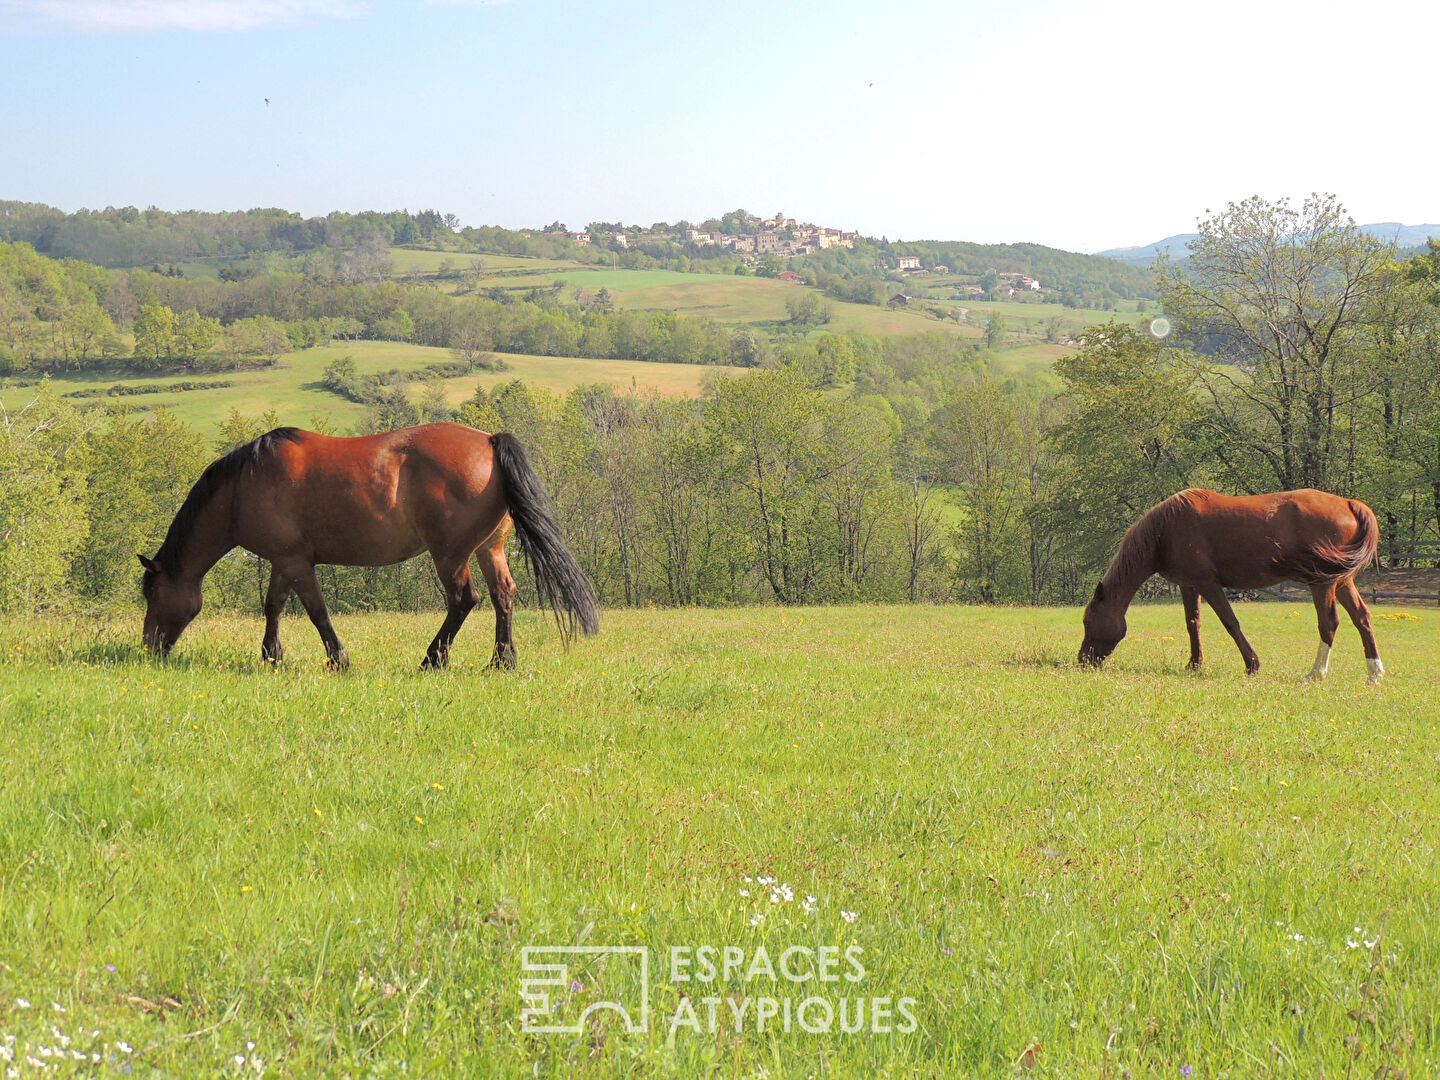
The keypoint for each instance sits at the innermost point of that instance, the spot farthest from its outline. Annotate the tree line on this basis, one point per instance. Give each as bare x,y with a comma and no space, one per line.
353,246
67,315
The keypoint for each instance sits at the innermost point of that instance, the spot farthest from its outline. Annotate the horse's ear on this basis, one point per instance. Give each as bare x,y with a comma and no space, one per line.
1099,591
149,564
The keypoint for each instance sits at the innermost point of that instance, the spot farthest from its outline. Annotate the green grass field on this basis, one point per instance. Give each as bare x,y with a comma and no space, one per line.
1072,874
294,390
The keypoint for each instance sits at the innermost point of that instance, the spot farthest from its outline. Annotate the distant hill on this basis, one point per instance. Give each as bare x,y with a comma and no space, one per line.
1403,236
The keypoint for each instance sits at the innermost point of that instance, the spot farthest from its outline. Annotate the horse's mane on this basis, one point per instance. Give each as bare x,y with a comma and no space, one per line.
215,476
1137,550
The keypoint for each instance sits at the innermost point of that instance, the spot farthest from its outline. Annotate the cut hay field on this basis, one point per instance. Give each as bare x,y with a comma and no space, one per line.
210,868
728,299
294,389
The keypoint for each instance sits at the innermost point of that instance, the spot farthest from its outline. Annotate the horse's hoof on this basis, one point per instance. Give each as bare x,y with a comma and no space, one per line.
272,656
504,658
434,663
1194,665
1313,677
340,661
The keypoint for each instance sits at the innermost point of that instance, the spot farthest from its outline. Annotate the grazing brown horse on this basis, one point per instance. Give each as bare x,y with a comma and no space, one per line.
1207,543
298,499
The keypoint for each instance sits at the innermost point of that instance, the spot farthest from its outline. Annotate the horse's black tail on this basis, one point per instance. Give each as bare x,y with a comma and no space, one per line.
563,586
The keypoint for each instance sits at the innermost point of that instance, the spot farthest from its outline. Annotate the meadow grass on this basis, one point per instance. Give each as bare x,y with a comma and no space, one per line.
293,388
1073,874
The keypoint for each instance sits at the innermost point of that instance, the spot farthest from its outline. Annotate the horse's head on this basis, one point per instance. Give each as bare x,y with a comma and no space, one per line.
170,604
1104,628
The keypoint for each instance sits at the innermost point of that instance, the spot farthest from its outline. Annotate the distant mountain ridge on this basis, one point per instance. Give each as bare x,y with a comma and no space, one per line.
1403,236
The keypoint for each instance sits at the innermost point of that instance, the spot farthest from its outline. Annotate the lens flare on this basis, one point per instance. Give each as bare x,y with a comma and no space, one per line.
1160,326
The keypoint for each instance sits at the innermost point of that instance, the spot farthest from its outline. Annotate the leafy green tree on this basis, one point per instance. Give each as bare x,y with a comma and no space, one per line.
43,464
995,332
140,470
195,334
1278,298
1132,437
768,432
262,337
154,331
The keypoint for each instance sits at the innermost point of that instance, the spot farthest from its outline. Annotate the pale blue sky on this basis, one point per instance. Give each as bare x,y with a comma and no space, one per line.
1082,125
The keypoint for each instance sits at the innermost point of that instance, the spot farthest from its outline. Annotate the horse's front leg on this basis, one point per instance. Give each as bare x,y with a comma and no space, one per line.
307,587
1190,597
271,650
1215,597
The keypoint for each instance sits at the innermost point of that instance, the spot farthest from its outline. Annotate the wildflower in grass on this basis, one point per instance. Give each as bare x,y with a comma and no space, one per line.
1297,937
124,1047
438,787
21,1003
576,986
808,905
1187,1071
757,918
848,916
111,968
745,892
419,820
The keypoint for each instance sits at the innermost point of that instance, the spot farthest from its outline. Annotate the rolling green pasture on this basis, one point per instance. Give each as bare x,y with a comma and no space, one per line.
208,867
294,390
729,299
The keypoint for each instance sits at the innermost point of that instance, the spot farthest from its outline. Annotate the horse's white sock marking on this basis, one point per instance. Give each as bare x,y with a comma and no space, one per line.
1377,670
1322,664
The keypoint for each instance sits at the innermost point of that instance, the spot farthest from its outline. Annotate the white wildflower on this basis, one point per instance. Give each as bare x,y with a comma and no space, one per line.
808,905
239,1060
124,1047
21,1003
1352,944
848,916
757,919
57,1006
744,892
1297,937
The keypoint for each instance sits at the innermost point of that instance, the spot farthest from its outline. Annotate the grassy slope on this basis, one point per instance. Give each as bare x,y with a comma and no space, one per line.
295,392
1138,869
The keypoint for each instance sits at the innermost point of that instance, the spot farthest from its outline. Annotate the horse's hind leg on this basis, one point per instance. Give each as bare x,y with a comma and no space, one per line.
460,597
1354,604
1191,599
1328,621
496,569
1215,597
271,650
307,586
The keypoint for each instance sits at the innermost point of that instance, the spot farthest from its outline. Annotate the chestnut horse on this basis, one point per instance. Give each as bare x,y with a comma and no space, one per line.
1207,543
297,499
